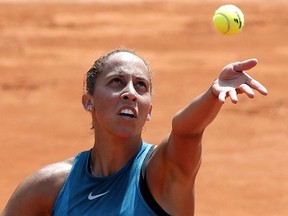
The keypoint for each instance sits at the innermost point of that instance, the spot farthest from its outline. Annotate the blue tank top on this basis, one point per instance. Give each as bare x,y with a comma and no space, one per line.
118,194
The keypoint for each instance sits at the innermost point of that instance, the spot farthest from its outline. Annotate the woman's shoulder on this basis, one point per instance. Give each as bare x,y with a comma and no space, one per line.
36,194
51,178
54,172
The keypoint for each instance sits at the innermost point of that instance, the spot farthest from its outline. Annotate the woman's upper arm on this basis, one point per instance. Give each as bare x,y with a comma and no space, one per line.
179,157
37,193
27,198
171,173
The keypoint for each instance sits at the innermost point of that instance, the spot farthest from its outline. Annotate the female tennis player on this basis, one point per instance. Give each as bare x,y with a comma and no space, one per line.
122,174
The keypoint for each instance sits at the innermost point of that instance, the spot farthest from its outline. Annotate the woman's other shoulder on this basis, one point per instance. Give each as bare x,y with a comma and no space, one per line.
36,194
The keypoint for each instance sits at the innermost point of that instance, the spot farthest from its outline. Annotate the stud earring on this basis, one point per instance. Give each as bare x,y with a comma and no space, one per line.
148,117
89,108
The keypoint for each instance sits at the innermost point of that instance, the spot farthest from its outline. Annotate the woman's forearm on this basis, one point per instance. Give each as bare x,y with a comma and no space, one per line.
195,117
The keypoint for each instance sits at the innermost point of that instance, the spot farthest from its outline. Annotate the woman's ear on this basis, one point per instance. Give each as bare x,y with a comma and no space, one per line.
88,102
149,113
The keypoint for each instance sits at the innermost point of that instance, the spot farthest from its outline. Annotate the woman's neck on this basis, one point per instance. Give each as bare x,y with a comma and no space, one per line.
109,156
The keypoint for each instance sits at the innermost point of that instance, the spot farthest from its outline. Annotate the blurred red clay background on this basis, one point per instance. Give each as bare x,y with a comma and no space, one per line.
47,47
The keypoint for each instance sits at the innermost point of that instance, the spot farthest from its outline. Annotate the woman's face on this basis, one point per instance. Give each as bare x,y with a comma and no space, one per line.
122,96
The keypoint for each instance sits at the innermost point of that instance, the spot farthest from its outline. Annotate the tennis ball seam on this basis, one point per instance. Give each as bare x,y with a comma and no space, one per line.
228,22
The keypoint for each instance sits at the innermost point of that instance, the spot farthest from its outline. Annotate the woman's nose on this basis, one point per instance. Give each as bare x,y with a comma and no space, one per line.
129,93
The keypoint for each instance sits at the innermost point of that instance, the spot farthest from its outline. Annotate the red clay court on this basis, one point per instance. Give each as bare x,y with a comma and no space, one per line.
46,48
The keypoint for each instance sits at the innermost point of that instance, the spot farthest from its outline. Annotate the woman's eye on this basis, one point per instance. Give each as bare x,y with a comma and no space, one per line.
142,85
116,81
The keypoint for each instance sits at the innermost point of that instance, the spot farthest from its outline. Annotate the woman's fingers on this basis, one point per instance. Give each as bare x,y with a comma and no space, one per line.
258,86
233,96
244,88
245,65
222,96
233,80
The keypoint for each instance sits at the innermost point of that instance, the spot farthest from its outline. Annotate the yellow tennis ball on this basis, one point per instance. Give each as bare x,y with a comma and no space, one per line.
228,19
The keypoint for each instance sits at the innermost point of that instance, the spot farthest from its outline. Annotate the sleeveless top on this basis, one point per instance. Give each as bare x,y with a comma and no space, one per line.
118,194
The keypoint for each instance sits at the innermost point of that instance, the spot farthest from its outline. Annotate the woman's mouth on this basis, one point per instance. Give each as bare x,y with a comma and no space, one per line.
127,113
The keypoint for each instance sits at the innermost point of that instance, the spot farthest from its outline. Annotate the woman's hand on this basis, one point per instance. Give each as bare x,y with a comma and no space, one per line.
233,80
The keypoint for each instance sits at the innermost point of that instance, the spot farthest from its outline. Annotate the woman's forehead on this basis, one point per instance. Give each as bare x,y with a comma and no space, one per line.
124,62
124,57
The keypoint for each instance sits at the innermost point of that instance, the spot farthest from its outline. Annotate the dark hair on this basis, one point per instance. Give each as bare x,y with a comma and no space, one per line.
97,68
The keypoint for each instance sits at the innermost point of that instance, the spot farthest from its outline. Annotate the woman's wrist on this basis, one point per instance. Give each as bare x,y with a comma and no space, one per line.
213,91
